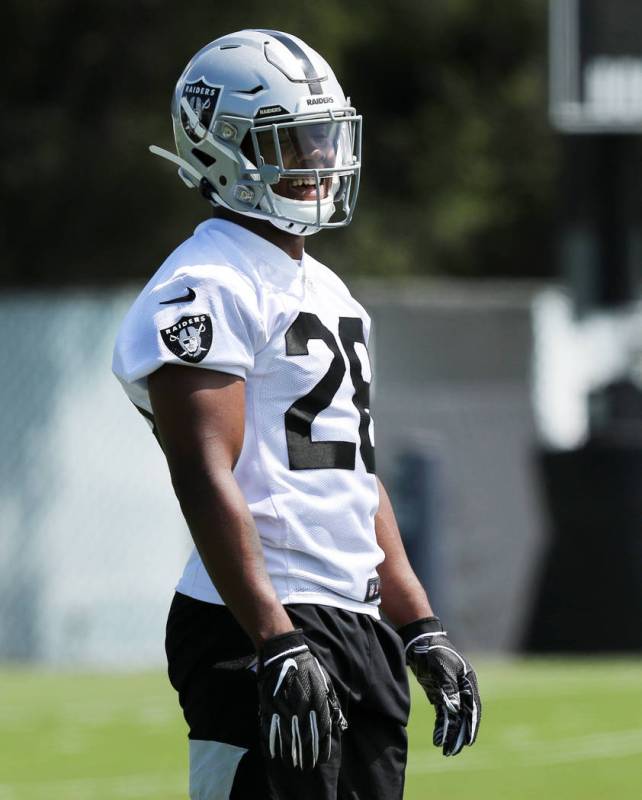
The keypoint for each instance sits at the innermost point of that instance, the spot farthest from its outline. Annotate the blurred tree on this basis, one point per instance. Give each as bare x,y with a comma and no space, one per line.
459,160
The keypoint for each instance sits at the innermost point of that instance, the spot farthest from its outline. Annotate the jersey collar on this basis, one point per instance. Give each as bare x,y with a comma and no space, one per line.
252,243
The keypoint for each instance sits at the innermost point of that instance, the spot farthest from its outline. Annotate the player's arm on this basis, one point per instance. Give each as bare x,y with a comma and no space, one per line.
199,415
444,673
403,598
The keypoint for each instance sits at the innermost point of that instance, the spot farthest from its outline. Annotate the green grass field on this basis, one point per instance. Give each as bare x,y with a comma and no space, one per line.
561,729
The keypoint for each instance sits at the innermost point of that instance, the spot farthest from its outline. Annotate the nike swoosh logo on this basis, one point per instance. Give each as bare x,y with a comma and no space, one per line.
187,298
289,662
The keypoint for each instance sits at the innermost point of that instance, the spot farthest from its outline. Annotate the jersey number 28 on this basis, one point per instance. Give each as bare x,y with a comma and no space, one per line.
303,453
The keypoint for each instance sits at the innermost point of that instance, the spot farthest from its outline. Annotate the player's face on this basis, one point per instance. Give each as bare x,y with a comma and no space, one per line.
302,147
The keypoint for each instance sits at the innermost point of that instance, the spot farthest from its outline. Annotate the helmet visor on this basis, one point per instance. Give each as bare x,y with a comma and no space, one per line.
308,154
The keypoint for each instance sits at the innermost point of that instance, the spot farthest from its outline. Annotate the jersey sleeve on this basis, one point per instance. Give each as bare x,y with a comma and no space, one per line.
206,317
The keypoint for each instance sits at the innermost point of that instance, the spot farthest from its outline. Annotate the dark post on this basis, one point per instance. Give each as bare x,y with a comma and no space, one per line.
592,578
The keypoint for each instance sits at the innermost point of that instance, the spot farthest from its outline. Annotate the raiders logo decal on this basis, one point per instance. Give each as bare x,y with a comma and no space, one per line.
373,591
190,338
202,98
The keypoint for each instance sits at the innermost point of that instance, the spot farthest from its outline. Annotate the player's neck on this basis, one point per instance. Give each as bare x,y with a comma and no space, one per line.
288,242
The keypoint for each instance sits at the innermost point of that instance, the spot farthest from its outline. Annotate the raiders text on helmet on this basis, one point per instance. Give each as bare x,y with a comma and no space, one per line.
263,128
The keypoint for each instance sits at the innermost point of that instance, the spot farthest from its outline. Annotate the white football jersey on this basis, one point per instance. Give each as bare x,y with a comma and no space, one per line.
231,301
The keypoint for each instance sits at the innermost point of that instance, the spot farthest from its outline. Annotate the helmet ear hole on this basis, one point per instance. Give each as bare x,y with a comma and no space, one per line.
222,180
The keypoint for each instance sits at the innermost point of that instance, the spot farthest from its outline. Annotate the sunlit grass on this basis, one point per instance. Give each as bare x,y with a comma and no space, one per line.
551,729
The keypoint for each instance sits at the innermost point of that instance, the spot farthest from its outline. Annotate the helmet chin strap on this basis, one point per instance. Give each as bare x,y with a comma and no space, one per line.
295,228
286,225
302,218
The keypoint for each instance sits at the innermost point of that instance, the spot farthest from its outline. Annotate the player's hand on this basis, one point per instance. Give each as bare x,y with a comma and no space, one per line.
298,707
448,680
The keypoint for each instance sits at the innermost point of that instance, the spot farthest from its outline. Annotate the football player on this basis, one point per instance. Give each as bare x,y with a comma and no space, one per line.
249,359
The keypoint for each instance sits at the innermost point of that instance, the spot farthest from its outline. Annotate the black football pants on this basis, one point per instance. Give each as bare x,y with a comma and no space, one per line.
365,661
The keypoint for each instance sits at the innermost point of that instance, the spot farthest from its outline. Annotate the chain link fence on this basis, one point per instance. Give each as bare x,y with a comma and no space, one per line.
92,540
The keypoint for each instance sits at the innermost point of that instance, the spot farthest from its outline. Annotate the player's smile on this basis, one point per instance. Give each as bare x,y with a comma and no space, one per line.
302,188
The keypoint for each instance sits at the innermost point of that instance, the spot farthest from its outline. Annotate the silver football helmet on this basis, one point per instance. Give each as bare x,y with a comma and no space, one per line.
262,128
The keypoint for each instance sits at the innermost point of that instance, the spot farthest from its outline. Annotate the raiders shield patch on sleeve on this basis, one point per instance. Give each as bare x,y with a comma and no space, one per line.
190,338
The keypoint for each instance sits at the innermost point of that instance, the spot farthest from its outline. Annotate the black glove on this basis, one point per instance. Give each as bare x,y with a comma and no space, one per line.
298,707
448,680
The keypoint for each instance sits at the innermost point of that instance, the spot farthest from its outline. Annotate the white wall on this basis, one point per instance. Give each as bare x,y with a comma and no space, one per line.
91,537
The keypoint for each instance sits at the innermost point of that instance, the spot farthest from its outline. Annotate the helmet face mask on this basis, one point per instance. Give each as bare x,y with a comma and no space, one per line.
263,129
314,157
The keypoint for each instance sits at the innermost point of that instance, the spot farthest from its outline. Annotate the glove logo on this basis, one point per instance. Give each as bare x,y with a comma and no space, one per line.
287,664
190,338
202,98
